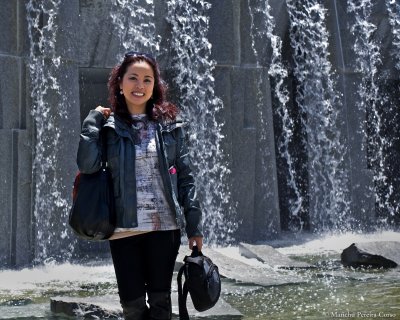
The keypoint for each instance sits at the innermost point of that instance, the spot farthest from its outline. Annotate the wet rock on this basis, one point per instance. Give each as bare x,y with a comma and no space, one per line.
108,307
16,302
270,256
383,254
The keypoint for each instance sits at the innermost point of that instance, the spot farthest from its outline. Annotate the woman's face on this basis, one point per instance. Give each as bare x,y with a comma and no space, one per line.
137,85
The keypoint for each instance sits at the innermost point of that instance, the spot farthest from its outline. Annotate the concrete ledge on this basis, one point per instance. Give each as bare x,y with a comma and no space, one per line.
270,256
108,307
239,271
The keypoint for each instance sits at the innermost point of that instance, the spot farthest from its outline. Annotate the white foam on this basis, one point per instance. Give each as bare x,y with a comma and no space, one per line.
337,243
61,275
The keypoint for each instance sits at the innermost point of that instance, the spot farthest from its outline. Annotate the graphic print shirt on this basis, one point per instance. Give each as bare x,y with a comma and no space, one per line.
153,210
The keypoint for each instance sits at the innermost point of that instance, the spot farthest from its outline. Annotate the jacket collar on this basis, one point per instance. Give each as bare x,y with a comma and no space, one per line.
124,130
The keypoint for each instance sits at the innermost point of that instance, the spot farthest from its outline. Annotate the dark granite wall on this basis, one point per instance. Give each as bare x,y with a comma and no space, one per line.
88,45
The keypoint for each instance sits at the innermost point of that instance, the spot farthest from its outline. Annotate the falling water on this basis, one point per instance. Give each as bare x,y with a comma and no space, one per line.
260,10
193,76
372,100
50,207
320,105
134,23
393,8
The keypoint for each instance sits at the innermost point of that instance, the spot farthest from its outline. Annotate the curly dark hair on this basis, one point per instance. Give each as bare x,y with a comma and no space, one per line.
157,108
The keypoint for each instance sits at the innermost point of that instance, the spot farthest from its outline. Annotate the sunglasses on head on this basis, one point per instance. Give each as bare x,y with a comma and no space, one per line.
139,54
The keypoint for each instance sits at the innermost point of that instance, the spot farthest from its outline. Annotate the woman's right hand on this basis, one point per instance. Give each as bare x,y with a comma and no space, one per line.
105,111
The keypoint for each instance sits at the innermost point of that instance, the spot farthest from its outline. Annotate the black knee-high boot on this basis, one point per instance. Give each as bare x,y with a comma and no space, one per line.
160,305
135,309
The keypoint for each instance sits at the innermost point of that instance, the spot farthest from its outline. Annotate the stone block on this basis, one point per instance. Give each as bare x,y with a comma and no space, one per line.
90,250
26,106
281,18
234,269
108,307
9,27
362,198
247,56
361,177
23,205
10,70
99,43
267,213
340,21
6,177
355,118
92,89
243,139
270,256
253,154
66,111
383,38
56,161
338,11
224,31
222,85
68,43
163,29
23,45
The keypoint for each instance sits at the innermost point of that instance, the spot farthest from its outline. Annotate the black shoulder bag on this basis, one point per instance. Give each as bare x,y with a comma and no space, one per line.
92,216
202,281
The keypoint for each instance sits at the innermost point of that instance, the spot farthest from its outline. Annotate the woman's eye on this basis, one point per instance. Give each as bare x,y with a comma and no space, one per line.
147,81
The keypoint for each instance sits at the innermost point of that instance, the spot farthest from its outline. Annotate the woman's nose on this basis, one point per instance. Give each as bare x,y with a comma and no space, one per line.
140,84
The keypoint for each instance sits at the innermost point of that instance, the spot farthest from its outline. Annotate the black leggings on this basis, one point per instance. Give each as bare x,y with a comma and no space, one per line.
145,262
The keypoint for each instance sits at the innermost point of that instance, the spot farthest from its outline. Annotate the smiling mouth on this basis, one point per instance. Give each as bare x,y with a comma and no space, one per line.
138,94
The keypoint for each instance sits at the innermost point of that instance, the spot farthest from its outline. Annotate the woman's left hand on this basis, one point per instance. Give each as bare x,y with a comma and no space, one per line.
198,241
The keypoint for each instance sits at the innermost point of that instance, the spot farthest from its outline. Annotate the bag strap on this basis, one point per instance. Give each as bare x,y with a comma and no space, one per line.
103,146
182,295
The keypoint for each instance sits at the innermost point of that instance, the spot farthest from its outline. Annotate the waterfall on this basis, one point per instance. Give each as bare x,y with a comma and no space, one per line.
193,67
393,8
372,101
134,23
320,106
260,11
50,208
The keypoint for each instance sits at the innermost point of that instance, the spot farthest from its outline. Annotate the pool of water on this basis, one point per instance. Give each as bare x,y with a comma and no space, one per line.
328,291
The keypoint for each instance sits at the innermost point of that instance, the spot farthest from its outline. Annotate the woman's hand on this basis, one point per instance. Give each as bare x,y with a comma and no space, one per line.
105,111
198,241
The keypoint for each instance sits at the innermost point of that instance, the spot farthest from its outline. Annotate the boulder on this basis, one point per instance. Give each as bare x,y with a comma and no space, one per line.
270,256
382,254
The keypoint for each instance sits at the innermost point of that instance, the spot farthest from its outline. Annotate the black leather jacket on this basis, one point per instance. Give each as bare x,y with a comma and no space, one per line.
172,151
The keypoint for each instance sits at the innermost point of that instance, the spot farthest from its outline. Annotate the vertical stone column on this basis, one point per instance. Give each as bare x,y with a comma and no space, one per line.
362,205
248,130
15,167
56,123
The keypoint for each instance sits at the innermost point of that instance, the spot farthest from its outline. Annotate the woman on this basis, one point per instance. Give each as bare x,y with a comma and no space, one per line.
152,180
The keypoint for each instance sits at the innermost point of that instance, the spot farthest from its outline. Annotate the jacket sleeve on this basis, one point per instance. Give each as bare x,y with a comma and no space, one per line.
89,151
186,188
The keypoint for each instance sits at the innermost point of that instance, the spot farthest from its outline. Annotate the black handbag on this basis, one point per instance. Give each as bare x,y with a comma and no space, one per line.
202,281
92,216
